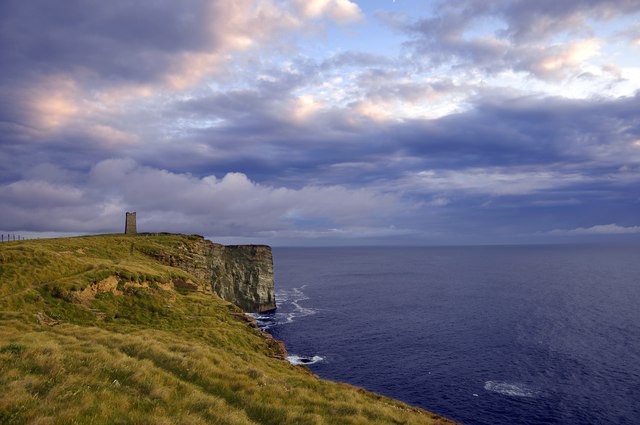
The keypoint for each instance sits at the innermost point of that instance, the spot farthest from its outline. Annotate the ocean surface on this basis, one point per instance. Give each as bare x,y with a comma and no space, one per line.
483,335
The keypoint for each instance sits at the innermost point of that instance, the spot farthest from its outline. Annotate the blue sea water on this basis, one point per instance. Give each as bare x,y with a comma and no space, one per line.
483,335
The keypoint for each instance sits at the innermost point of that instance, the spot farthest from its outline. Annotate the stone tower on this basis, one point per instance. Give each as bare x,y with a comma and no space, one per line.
130,224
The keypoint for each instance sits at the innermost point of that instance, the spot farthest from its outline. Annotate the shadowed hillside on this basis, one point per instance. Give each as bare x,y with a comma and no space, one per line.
96,330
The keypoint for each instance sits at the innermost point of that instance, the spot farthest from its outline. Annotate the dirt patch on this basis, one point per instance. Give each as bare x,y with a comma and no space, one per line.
109,284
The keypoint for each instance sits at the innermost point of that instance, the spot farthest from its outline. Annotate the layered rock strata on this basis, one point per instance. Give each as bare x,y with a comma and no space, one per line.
241,274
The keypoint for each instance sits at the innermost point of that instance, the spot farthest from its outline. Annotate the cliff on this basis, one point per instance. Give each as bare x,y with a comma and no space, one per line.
119,329
241,274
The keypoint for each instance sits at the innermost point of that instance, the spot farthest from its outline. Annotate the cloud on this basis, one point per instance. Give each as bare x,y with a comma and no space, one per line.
523,20
558,61
231,205
491,181
600,229
92,81
94,63
30,194
216,113
499,35
341,11
289,138
160,41
536,138
90,78
533,20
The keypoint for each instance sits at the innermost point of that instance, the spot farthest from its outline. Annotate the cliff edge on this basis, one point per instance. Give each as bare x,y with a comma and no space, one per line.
241,274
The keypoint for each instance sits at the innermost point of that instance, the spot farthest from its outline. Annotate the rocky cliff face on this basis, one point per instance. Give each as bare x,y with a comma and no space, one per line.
241,274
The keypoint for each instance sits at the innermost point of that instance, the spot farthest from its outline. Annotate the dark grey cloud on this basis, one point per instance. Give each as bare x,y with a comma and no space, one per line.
495,131
103,41
531,130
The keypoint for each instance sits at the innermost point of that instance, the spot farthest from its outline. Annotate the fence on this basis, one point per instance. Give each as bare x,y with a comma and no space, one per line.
11,237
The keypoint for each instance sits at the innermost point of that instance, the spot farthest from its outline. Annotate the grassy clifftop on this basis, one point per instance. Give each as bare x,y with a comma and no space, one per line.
94,330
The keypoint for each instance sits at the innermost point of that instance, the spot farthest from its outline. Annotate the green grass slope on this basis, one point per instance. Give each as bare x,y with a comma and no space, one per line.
93,331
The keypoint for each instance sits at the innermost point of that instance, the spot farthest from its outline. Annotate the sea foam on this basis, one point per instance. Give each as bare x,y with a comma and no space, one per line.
509,388
303,360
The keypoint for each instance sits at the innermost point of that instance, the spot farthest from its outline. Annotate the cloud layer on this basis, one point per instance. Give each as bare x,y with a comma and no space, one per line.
600,229
296,122
229,206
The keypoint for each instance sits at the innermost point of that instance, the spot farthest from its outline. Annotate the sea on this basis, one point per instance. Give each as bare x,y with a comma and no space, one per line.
483,335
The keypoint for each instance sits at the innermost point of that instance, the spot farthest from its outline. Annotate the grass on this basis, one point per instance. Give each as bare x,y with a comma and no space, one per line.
146,353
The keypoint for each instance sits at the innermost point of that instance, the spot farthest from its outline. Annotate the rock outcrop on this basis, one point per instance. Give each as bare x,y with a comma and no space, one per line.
241,274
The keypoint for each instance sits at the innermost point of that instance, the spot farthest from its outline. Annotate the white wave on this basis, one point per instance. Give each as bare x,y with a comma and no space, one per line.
289,309
510,389
303,360
300,311
264,321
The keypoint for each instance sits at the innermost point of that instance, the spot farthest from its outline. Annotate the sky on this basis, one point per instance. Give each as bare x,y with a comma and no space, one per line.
322,122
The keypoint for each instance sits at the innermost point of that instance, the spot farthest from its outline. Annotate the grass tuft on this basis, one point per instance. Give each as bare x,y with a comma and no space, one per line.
12,348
